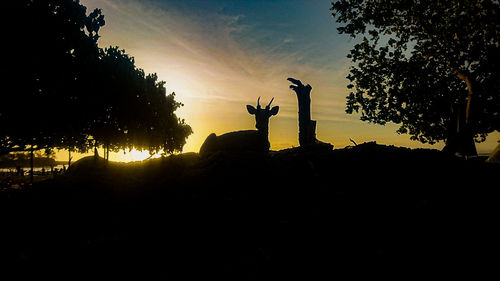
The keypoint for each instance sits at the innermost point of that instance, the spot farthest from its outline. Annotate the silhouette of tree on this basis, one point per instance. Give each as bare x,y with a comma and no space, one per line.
430,66
133,108
164,131
70,94
52,45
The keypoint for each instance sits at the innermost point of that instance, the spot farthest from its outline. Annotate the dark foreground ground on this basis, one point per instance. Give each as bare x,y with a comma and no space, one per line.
370,210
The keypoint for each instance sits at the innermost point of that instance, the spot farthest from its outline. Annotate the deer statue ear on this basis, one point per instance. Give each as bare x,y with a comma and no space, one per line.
275,110
251,109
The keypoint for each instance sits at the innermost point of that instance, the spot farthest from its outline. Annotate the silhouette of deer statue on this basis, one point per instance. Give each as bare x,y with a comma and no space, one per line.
246,140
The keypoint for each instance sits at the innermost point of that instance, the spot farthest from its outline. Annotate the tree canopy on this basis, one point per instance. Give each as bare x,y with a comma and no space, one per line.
133,109
430,66
69,93
50,48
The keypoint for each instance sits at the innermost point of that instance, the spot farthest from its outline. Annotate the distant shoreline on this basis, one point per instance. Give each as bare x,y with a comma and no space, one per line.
35,165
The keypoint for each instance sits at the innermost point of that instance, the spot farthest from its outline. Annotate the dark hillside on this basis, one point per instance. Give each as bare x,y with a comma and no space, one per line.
293,214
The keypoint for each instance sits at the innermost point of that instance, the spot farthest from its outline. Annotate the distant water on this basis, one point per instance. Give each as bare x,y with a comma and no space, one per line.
35,169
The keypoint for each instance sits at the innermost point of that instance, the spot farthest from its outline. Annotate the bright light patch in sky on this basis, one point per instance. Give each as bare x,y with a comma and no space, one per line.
131,155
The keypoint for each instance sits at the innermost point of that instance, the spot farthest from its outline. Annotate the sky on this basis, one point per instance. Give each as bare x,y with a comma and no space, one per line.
219,56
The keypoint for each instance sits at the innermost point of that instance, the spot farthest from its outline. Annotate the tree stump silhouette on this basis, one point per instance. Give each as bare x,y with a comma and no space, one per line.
307,127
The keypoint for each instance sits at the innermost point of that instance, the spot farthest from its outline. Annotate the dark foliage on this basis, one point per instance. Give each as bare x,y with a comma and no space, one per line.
132,109
68,93
52,48
430,66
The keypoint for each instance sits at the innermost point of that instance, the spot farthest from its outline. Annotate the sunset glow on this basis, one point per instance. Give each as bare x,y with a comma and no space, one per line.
249,139
132,155
120,156
218,57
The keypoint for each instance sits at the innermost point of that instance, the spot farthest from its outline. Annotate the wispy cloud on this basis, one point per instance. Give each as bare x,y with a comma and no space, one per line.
217,63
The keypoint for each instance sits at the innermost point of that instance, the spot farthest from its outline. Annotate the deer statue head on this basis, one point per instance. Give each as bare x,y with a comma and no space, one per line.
262,116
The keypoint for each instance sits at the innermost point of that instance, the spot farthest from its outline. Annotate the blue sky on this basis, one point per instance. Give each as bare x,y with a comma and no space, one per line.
219,56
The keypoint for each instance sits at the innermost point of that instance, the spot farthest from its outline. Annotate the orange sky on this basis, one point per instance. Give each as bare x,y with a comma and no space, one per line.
219,57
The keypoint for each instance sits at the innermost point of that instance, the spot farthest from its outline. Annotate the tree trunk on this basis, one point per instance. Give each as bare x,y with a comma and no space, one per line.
465,133
31,164
69,158
469,97
96,153
460,139
107,153
307,127
462,143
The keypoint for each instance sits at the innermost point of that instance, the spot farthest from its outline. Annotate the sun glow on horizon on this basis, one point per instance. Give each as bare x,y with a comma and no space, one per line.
123,155
131,155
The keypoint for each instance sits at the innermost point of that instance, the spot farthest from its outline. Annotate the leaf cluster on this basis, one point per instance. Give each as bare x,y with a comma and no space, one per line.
411,59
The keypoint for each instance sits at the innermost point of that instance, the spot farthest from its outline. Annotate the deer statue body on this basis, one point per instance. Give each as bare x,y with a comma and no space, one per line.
247,140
